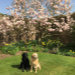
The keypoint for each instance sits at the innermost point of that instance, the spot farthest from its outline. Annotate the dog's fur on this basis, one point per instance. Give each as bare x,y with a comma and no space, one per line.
35,62
25,63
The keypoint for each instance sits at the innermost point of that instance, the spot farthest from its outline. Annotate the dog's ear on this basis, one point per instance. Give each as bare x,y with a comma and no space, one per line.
25,55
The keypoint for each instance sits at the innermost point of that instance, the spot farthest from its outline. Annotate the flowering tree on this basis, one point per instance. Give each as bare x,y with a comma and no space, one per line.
41,17
56,7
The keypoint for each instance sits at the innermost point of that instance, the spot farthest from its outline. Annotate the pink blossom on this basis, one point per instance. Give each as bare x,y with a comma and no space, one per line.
51,30
60,30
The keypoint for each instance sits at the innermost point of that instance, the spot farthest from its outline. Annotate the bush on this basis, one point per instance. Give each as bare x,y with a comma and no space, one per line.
13,47
70,53
31,43
54,51
22,48
10,49
30,48
51,44
34,42
38,48
45,50
19,44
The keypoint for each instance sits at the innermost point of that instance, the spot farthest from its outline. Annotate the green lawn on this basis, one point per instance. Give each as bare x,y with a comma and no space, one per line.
51,65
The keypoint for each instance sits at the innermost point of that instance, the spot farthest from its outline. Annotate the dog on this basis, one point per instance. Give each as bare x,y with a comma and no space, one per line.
25,63
35,62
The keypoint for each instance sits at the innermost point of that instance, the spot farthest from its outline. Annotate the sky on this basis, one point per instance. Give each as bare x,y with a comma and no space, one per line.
6,3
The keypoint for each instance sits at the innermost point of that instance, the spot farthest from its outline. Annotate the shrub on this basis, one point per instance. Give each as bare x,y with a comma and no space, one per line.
38,48
54,51
34,42
70,53
45,50
30,48
10,49
45,46
22,48
31,43
19,44
51,44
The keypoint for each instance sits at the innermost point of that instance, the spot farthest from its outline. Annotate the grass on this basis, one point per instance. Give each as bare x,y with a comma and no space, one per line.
51,65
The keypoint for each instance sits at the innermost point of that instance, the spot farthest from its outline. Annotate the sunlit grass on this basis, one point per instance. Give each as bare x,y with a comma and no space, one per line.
51,65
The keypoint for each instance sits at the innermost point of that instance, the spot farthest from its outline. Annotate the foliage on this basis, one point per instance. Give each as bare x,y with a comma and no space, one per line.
19,44
55,51
10,49
70,53
13,47
31,46
52,44
30,19
73,35
38,19
37,48
32,43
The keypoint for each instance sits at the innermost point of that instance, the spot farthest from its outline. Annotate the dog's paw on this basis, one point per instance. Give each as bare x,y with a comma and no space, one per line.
31,71
35,71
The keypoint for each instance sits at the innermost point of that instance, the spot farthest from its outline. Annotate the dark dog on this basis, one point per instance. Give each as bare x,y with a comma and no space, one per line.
25,63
